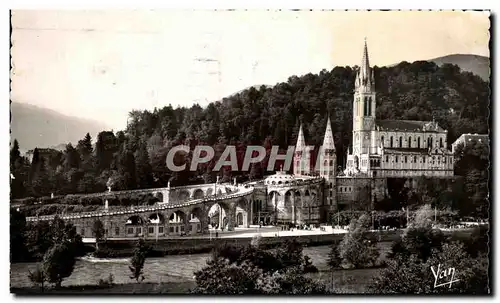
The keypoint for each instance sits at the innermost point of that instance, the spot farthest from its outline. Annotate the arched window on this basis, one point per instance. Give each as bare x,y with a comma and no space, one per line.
392,141
406,159
382,140
409,142
386,158
429,142
369,106
396,159
441,142
366,107
418,142
331,162
414,159
400,142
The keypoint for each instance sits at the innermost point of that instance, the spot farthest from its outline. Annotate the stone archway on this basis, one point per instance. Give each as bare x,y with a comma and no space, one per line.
184,195
156,225
198,194
159,196
217,212
197,222
177,222
239,219
242,208
134,226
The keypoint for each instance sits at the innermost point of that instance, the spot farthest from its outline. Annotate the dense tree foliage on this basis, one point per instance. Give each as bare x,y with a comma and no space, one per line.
31,241
334,261
58,263
359,249
421,247
18,249
473,165
252,270
135,157
412,275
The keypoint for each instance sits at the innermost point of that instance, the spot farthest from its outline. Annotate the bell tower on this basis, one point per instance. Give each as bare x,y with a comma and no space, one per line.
364,104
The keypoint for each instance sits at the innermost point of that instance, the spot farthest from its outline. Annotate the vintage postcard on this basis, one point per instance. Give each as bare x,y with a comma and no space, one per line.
237,152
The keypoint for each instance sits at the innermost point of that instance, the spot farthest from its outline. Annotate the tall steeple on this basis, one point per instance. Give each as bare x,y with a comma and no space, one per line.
301,142
328,159
365,64
301,157
328,142
365,78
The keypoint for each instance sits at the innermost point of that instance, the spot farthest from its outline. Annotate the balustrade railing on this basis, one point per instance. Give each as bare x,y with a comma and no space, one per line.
234,194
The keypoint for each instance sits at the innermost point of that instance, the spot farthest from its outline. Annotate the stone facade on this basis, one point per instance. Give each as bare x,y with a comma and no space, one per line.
393,148
381,149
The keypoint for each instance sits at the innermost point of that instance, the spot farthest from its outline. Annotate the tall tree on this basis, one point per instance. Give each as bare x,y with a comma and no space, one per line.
144,171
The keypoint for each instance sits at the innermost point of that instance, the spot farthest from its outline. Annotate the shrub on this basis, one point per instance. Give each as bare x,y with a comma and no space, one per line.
58,263
359,247
38,277
109,281
137,261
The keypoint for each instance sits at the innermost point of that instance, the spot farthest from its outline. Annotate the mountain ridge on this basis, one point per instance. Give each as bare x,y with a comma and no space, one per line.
476,64
35,126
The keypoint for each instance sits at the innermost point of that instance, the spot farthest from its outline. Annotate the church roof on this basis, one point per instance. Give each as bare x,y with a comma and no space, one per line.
416,151
413,151
328,142
408,125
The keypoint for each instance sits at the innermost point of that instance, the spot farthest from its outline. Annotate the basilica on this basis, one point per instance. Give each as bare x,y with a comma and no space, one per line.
381,149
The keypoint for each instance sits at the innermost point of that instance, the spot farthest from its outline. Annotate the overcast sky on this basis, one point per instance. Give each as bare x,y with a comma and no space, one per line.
102,64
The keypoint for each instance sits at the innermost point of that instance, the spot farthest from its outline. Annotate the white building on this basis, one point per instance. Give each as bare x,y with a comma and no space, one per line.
393,148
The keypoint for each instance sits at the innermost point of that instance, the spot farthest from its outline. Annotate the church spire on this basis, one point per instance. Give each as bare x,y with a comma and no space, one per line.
328,142
364,72
301,142
365,78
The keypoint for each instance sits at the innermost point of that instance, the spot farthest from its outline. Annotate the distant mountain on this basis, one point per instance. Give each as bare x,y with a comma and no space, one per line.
475,64
35,126
478,65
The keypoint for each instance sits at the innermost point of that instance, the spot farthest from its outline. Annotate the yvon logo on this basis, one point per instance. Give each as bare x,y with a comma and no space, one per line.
443,277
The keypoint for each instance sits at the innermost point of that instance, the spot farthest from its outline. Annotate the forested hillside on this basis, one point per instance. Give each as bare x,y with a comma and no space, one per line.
135,158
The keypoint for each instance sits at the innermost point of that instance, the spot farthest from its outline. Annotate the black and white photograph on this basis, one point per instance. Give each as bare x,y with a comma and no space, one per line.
250,152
